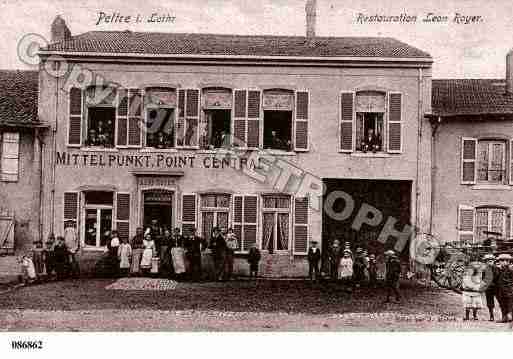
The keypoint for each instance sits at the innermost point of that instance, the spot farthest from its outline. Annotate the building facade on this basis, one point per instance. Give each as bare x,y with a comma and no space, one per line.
237,131
20,161
472,187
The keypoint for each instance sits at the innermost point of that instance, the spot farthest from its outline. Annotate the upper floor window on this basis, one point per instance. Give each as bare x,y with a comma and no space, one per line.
160,104
371,121
484,161
9,156
101,116
216,123
491,167
278,119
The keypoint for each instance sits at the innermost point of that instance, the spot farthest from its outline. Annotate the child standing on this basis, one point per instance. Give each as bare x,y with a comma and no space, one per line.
60,257
124,255
314,256
473,290
373,271
253,259
345,267
38,257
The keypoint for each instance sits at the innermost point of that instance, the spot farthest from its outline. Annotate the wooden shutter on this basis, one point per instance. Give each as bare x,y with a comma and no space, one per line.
70,208
9,156
192,110
395,123
240,117
254,120
466,215
122,118
511,162
135,108
188,213
300,225
301,122
123,214
468,160
75,117
180,123
250,219
237,220
347,122
6,233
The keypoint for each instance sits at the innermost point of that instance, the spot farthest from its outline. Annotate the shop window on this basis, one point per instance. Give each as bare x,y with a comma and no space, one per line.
214,210
160,128
9,152
278,130
276,223
97,218
100,126
215,132
491,167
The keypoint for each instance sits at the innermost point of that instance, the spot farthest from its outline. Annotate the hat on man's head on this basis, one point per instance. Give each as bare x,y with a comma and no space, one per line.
389,253
347,251
504,257
488,257
314,242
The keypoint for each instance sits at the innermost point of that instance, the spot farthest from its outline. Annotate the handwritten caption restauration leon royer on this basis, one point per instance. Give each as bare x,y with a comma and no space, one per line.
119,18
428,18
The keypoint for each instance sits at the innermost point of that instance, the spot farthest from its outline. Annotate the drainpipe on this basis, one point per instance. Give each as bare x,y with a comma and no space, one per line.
54,149
419,142
434,126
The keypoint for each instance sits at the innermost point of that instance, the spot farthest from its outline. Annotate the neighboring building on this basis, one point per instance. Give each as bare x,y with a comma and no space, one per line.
473,152
20,160
309,101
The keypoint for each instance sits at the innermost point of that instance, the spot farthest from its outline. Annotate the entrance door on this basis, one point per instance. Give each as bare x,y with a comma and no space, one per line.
158,205
98,220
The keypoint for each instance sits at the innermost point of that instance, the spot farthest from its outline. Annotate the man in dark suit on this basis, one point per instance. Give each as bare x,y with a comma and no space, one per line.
195,245
393,273
505,286
314,256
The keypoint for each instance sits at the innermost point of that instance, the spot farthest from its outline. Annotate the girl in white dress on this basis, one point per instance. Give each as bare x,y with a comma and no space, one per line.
149,247
124,255
345,267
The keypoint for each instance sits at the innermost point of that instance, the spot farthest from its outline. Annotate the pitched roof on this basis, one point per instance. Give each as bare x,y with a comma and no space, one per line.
127,42
458,97
18,97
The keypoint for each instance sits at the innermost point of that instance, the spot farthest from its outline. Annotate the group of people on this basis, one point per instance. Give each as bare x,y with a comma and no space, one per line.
358,269
487,280
158,251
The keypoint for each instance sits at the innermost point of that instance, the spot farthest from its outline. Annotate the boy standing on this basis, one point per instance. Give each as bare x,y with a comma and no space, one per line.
314,256
253,259
393,272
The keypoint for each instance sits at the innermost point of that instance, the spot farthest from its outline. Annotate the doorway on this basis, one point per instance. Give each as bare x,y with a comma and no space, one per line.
158,204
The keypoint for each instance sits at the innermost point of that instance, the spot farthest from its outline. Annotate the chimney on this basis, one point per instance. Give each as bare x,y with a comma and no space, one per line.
509,72
310,9
59,30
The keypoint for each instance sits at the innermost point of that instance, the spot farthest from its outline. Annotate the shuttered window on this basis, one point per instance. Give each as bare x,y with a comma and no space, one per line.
240,118
254,118
9,160
122,118
395,123
187,132
188,214
135,121
75,117
466,223
346,121
468,160
70,207
301,122
245,220
300,225
123,214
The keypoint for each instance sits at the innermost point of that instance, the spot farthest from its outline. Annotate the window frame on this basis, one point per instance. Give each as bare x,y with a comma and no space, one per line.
490,143
146,109
215,210
384,135
276,211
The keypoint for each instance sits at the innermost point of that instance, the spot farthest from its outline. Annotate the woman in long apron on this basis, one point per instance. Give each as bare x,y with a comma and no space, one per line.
178,253
147,255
